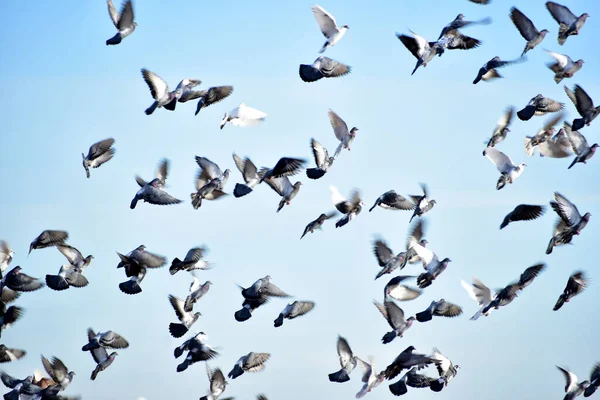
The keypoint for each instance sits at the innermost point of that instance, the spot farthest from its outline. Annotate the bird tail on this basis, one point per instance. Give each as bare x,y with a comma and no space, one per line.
281,204
114,40
130,287
196,200
309,74
573,163
90,346
424,280
199,106
505,222
340,376
478,314
279,321
315,173
12,395
381,273
338,150
95,373
374,205
388,337
235,372
342,222
419,63
177,330
243,315
437,385
578,124
325,45
183,366
414,215
424,316
171,105
550,246
558,78
525,50
241,190
501,182
526,113
151,109
399,388
590,390
224,120
484,21
178,351
56,282
175,266
560,302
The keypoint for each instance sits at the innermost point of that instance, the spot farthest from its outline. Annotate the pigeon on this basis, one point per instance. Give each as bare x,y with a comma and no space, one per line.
243,115
557,146
412,379
482,2
152,192
397,291
501,129
251,362
580,146
420,48
248,306
293,310
572,219
6,256
317,223
262,288
207,97
454,40
459,23
196,292
184,90
186,316
21,387
348,362
284,188
493,64
210,170
543,135
286,166
210,182
508,170
192,261
249,173
422,203
323,67
48,238
67,276
100,356
568,23
9,316
58,372
564,67
328,27
446,369
415,237
527,29
370,378
322,160
394,315
135,264
108,340
575,285
159,91
510,292
491,75
386,258
561,235
441,308
391,200
594,381
523,212
197,350
340,129
405,360
123,21
573,388
20,282
350,208
481,294
99,153
433,266
217,384
9,355
539,105
584,105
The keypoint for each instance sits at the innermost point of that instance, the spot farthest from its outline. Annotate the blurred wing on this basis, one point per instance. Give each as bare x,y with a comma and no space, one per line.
500,160
325,20
561,13
339,126
114,14
158,87
567,210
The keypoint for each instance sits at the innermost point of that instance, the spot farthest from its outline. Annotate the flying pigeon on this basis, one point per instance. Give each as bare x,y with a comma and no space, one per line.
191,262
493,64
283,187
571,217
523,212
573,388
67,276
243,115
6,256
562,234
249,173
248,306
322,160
575,285
584,105
539,105
542,136
197,350
123,21
568,23
386,258
557,146
481,294
196,292
328,27
58,372
510,292
340,129
594,381
405,360
210,182
412,379
398,291
527,29
459,23
370,378
211,170
508,170
108,340
394,315
563,67
100,356
152,192
293,310
348,362
433,266
20,282
48,238
251,362
422,203
441,308
286,166
501,129
317,224
391,200
9,316
323,67
350,208
135,265
420,48
262,288
99,153
446,369
185,315
159,91
21,387
415,237
580,146
8,355
207,97
217,384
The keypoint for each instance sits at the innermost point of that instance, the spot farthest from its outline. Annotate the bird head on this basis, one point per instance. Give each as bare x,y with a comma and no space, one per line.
587,216
135,24
584,16
594,147
460,17
543,32
579,62
353,131
446,260
226,173
298,184
346,27
208,283
114,354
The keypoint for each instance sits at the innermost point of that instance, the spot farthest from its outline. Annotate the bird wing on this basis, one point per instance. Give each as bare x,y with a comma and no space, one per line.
246,113
415,236
217,381
301,307
395,314
450,310
523,24
178,306
577,140
561,59
194,255
158,87
114,14
287,166
126,18
411,44
479,292
577,282
23,282
99,354
396,201
422,43
325,20
99,148
339,201
319,152
444,363
117,342
271,290
556,147
191,95
331,68
239,163
60,370
560,13
570,378
565,209
500,160
457,40
216,94
277,184
255,362
426,255
71,253
344,351
552,122
160,197
506,118
211,169
584,102
416,380
526,212
530,274
162,170
339,126
147,259
382,252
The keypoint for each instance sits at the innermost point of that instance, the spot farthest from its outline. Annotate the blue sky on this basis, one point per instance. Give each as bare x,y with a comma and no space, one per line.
64,89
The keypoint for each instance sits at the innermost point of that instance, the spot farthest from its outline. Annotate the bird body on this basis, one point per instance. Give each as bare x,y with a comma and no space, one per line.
568,23
508,170
348,361
350,208
575,285
243,115
328,27
294,310
316,224
123,21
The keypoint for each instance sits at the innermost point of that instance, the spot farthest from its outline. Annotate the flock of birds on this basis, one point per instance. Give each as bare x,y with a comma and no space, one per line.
211,183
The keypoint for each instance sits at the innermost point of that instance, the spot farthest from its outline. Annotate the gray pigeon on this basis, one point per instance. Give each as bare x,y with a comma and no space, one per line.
575,285
564,67
459,23
123,22
209,182
67,276
328,27
446,369
391,200
100,356
584,105
340,129
317,223
348,362
152,192
434,266
99,153
58,372
20,387
594,381
6,256
249,173
493,64
510,292
523,212
580,146
501,129
386,258
422,203
568,23
509,172
350,208
208,97
284,188
262,288
293,310
196,292
248,306
159,91
557,146
539,105
398,291
217,384
185,315
412,379
415,237
48,238
542,136
394,316
183,90
197,350
370,378
323,67
251,362
135,265
20,282
9,355
108,340
420,48
286,166
322,160
405,360
573,387
573,221
441,308
527,29
8,316
211,170
192,261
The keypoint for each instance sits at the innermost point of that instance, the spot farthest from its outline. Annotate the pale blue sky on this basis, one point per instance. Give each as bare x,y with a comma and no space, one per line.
64,89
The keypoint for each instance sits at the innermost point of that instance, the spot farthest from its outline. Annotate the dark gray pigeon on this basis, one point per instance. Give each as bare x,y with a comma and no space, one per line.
192,261
594,381
394,316
575,285
208,97
322,160
580,146
459,22
207,188
251,362
186,317
350,208
441,308
391,200
159,91
286,166
9,355
67,276
20,282
568,23
48,238
152,192
284,188
217,384
539,105
100,355
19,386
386,258
422,203
527,29
248,306
398,291
584,105
197,290
501,129
523,212
8,316
249,173
58,372
412,379
493,64
135,265
108,340
317,223
99,153
571,217
348,362
197,350
405,360
323,67
293,310
123,21
211,171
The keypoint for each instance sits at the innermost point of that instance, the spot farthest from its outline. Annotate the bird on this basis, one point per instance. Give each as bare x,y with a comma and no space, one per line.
109,340
8,316
508,170
124,21
441,308
207,97
20,282
562,234
459,23
328,27
293,310
573,387
251,362
159,91
243,115
262,288
9,355
391,200
433,266
67,276
6,256
136,265
501,129
217,384
412,379
398,291
415,237
248,306
153,192
284,188
197,291
557,146
322,159
539,105
185,315
573,221
197,350
594,381
583,151
493,64
48,238
211,170
543,134
584,105
340,129
249,173
568,23
405,360
100,356
99,153
58,372
210,181
563,67
386,258
481,294
323,67
446,369
350,208
523,212
422,203
482,2
348,361
394,316
21,387
192,261
286,166
370,378
527,29
184,90
317,223
420,48
575,285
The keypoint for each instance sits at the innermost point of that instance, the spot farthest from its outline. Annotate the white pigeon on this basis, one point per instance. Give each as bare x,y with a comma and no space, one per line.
328,27
345,136
510,172
481,294
6,255
243,116
573,388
